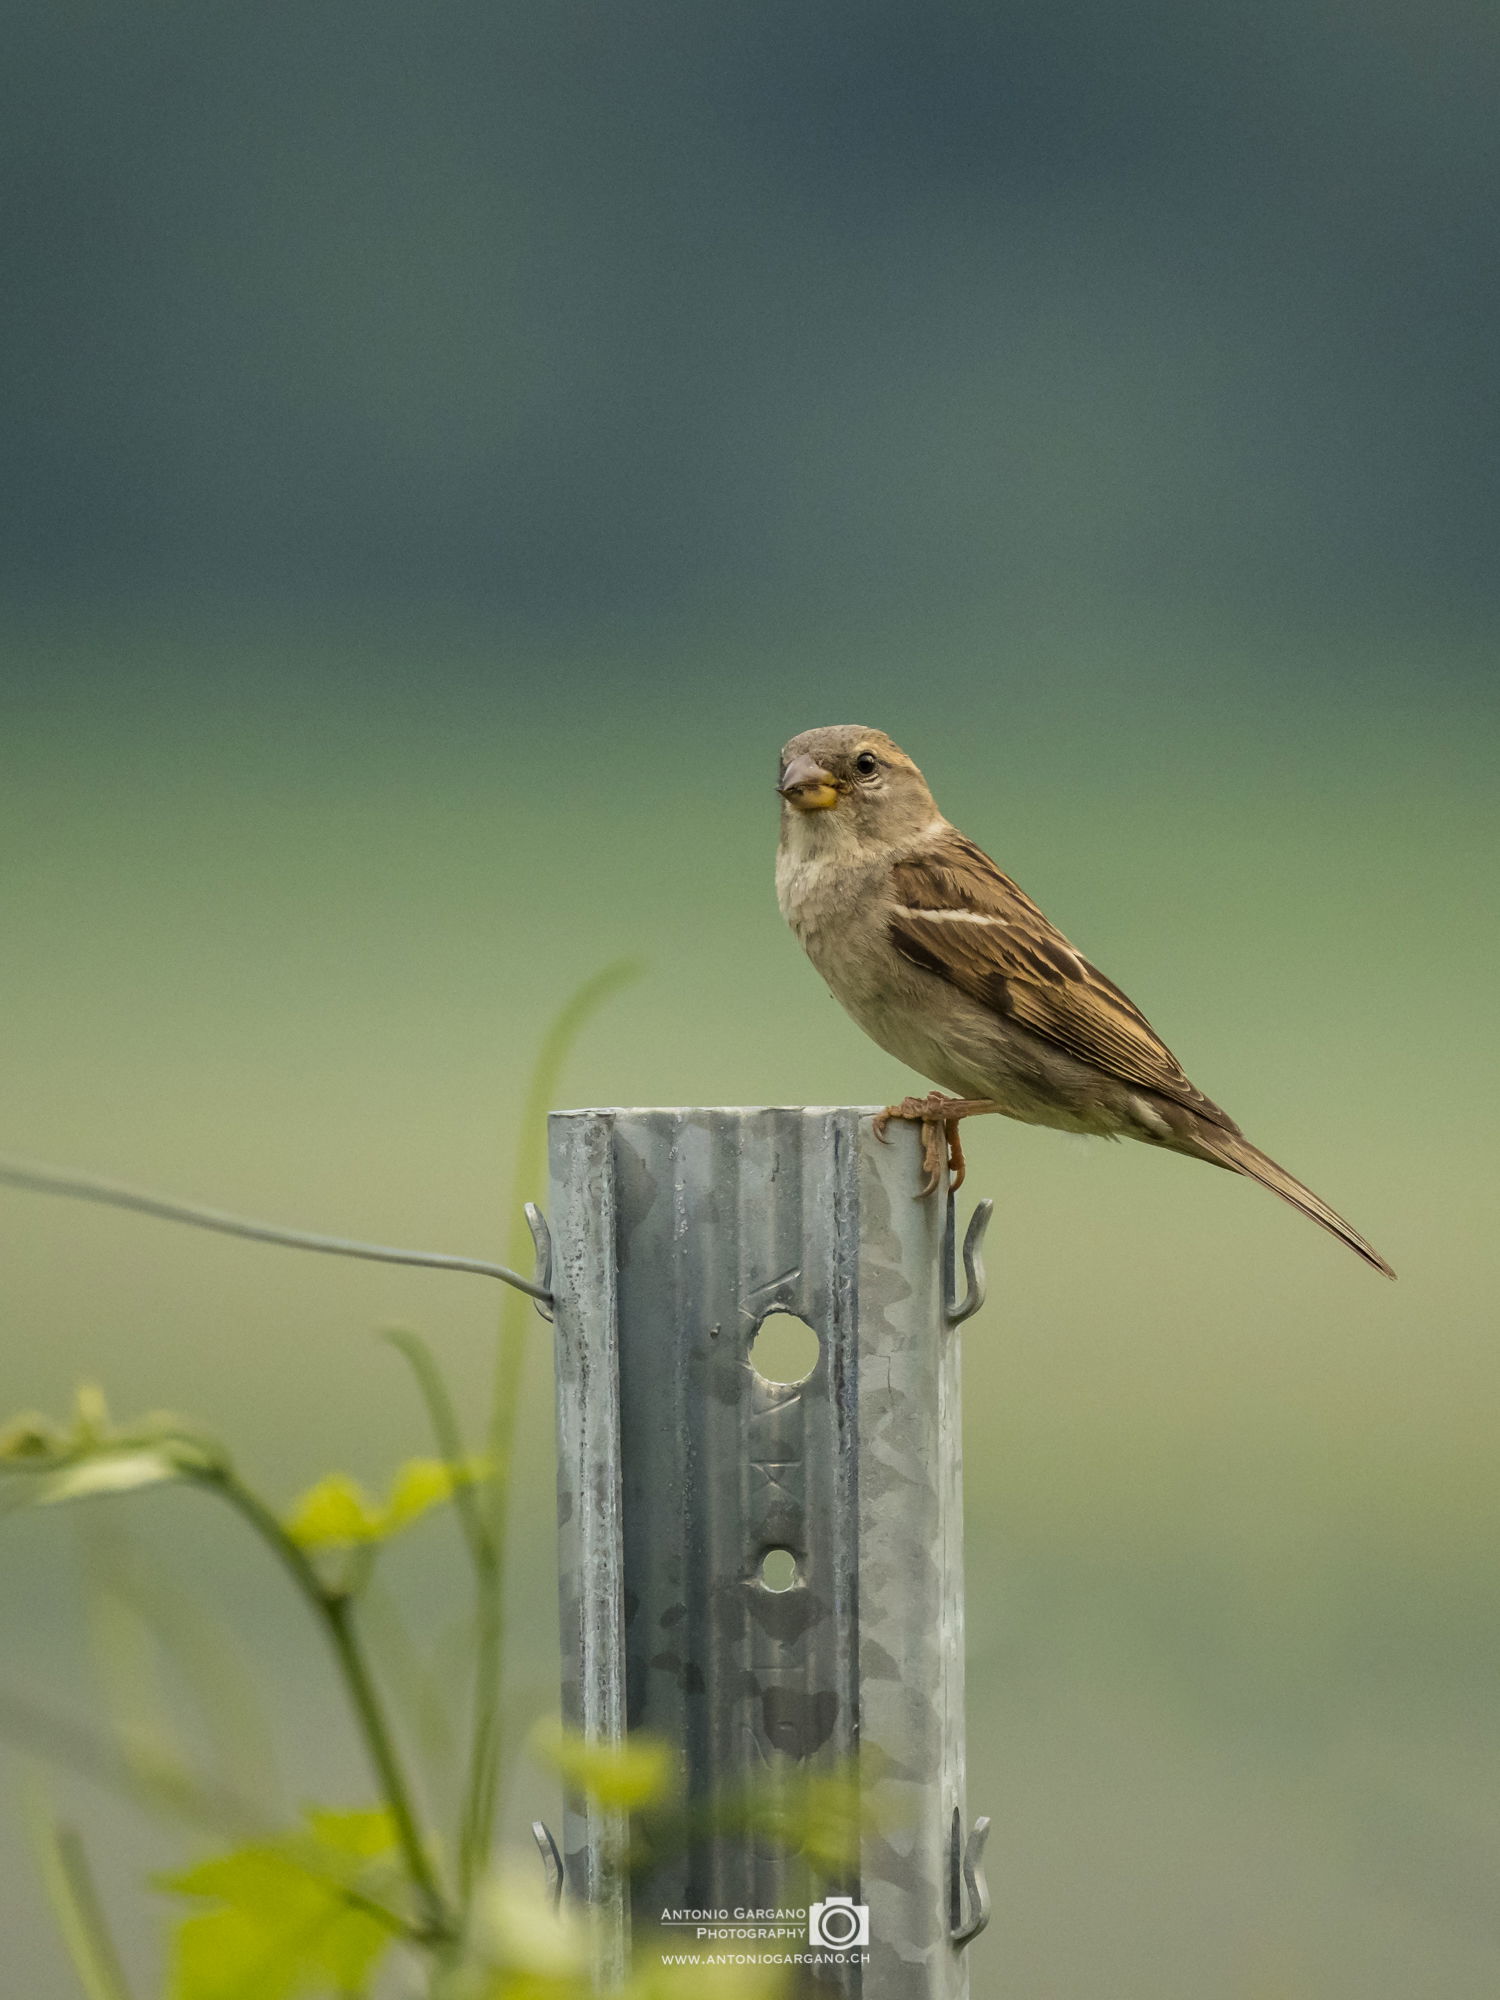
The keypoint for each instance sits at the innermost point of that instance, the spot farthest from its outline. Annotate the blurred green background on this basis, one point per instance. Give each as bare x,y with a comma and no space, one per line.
445,452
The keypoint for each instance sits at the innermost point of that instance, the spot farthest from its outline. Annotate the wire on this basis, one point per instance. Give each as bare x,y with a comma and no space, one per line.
83,1187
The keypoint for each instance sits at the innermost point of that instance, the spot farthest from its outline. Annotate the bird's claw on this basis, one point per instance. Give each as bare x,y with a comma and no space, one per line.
942,1152
933,1158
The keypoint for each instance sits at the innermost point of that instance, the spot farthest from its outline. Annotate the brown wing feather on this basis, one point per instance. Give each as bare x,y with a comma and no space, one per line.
1023,968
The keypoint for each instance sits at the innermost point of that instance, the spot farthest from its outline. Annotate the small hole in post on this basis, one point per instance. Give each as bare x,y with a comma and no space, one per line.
778,1569
785,1349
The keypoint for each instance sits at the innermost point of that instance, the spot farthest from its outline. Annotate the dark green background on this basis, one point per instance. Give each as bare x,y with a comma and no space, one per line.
445,451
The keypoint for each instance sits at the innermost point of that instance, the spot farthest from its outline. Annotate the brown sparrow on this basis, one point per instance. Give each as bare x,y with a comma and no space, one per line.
950,967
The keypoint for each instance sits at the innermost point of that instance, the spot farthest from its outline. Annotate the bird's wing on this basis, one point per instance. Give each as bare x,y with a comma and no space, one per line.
957,915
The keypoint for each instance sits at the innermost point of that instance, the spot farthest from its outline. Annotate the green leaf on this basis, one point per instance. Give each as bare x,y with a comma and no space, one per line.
623,1777
525,1935
823,1815
108,1472
287,1921
91,1414
364,1834
92,1457
333,1515
30,1437
337,1513
833,1816
419,1484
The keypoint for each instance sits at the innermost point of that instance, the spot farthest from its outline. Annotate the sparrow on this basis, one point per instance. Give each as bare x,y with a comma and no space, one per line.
952,969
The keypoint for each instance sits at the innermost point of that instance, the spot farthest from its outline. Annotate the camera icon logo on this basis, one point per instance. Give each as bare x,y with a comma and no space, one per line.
839,1924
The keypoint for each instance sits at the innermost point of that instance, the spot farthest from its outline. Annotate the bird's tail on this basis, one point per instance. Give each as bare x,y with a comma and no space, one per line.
1229,1149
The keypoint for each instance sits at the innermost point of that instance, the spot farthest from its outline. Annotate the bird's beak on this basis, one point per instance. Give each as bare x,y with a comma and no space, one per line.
807,787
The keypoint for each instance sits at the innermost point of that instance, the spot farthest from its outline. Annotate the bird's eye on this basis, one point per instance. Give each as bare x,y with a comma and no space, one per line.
867,763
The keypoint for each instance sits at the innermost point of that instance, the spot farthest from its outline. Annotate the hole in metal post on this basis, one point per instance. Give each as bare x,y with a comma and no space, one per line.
785,1349
778,1570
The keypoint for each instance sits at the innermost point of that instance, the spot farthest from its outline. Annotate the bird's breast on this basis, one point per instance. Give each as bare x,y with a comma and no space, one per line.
813,890
840,916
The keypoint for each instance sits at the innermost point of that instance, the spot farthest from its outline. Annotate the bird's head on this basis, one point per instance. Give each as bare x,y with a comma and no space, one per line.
851,786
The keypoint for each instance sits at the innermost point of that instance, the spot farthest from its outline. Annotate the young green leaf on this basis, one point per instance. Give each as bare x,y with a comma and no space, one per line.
419,1484
90,1413
30,1437
289,1919
623,1777
334,1514
523,1935
338,1513
364,1834
108,1472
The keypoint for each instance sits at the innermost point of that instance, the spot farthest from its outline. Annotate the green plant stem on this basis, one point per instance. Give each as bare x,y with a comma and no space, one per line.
75,1902
477,1819
477,1812
445,1430
473,1832
338,1614
335,1612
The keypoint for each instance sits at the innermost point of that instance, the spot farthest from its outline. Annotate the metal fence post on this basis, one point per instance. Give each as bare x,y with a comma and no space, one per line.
676,1233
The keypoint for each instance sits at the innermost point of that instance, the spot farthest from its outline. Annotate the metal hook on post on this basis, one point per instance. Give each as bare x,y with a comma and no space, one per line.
552,1861
969,1894
956,1310
541,1236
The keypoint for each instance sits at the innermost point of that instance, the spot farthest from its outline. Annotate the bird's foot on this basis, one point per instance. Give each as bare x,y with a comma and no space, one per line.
942,1149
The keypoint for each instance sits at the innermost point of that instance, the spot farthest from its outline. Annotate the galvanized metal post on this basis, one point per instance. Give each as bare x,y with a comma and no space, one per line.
675,1235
